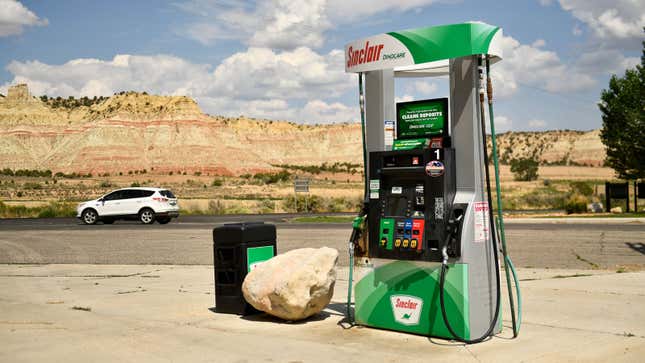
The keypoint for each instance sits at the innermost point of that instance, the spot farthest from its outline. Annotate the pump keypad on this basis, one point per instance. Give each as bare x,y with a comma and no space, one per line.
404,216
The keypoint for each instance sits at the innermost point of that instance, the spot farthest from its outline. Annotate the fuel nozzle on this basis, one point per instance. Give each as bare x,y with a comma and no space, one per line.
452,227
357,227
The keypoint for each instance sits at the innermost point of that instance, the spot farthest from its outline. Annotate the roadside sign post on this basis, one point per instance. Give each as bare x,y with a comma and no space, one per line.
300,186
616,191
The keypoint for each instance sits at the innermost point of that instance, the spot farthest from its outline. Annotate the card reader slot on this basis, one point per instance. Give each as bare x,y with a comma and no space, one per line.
403,169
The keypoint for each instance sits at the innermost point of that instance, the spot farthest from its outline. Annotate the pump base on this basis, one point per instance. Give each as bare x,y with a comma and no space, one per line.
404,296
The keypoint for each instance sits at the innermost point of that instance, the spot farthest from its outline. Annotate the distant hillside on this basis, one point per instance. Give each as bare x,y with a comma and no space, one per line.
135,131
559,147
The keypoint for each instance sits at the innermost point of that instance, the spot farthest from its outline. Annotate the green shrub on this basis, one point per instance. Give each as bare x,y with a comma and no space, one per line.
524,169
272,178
267,206
53,209
217,183
576,203
216,207
580,187
32,186
135,185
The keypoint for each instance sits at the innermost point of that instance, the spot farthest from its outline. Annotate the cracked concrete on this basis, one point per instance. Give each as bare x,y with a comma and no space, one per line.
569,315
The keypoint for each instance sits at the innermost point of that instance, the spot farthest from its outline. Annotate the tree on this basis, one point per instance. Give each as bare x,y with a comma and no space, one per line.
524,169
623,122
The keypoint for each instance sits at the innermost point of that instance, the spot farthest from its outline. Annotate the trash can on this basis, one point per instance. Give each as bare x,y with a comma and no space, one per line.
237,248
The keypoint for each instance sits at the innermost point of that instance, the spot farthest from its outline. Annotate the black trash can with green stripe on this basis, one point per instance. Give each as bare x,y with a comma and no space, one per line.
237,249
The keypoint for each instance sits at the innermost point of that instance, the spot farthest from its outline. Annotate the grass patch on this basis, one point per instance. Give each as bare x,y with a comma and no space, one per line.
323,219
51,210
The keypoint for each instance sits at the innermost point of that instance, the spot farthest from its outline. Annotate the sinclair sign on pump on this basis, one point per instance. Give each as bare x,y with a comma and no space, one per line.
423,45
381,51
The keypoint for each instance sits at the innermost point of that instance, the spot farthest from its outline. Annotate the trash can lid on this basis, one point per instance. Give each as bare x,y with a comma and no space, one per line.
236,233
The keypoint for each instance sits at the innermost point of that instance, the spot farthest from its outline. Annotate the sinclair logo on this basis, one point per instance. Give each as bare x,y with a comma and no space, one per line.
406,309
365,55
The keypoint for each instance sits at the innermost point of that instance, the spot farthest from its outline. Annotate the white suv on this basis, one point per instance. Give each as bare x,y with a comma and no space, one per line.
144,204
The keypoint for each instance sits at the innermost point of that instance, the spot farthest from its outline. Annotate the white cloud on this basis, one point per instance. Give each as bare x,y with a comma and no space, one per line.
545,2
425,88
348,10
502,124
537,124
616,23
318,111
535,67
278,24
605,61
404,98
14,17
161,74
281,24
257,82
301,73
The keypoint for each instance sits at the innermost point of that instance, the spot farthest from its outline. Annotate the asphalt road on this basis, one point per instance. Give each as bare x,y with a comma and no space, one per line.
188,240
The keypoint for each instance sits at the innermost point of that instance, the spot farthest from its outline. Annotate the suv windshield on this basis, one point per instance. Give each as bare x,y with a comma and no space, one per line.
167,193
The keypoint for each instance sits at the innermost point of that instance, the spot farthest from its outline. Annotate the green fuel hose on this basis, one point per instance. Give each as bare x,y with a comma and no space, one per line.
508,264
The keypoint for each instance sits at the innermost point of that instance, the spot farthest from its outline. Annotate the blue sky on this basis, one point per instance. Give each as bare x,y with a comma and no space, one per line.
282,59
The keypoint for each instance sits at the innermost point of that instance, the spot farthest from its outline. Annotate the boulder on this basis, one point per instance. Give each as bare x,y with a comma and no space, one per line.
616,210
294,285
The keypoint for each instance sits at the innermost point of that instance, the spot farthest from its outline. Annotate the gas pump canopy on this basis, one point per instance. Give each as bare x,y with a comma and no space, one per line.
423,52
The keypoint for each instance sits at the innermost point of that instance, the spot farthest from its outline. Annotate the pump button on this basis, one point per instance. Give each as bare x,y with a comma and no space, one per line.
413,243
406,242
397,243
383,241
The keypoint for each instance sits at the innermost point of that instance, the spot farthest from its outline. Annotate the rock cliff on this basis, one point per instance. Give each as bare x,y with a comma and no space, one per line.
135,131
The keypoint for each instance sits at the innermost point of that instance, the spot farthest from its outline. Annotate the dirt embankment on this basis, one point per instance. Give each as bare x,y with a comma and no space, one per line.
135,131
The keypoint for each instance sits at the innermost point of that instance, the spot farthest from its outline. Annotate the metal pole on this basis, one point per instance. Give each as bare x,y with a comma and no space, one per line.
635,198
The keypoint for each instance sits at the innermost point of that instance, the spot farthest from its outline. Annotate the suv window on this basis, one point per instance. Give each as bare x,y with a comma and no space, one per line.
137,193
114,195
146,193
167,193
131,193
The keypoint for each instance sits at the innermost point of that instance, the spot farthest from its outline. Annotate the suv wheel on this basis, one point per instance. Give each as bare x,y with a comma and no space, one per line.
147,216
89,216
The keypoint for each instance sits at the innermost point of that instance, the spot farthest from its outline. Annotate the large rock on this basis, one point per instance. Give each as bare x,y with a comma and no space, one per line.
294,285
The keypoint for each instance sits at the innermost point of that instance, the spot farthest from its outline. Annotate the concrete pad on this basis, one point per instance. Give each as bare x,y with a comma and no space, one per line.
160,313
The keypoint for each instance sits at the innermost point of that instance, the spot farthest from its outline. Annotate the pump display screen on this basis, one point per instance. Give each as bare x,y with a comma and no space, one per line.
396,205
422,118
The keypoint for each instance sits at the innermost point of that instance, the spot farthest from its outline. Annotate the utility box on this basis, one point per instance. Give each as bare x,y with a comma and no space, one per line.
237,249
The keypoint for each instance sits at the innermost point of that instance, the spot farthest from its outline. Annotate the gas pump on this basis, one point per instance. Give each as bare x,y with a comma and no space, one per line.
429,253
